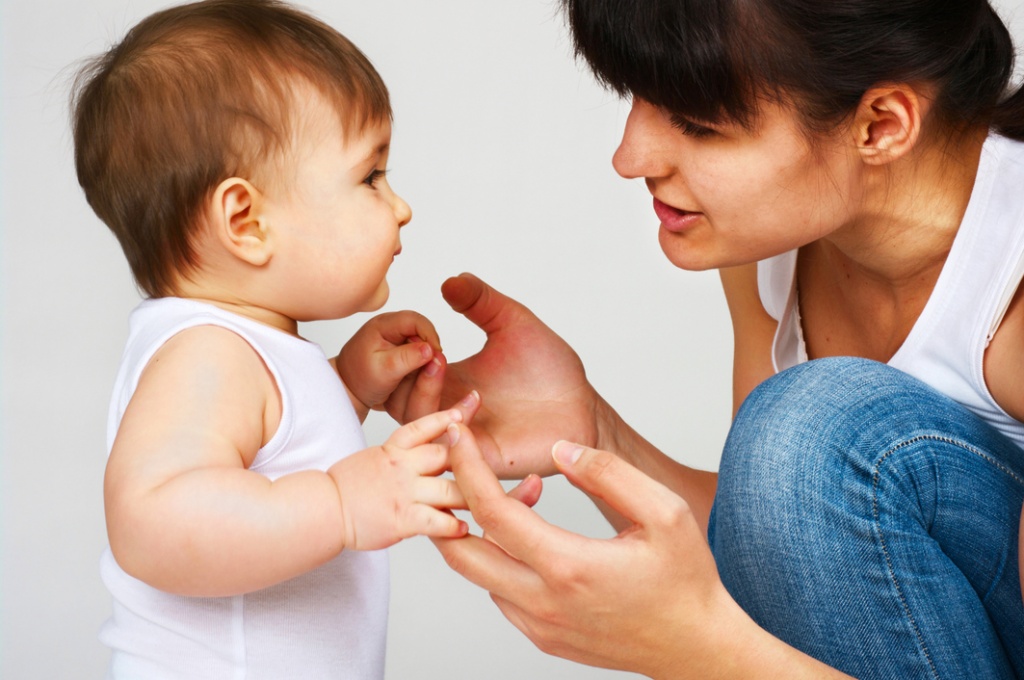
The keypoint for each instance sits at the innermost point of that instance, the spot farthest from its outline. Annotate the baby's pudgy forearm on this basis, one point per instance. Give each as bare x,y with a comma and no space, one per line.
220,530
225,531
186,516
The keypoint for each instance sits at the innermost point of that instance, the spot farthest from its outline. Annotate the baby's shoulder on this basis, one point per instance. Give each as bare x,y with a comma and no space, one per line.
208,355
208,377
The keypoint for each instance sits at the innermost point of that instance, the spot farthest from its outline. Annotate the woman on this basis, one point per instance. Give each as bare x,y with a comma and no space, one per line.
853,168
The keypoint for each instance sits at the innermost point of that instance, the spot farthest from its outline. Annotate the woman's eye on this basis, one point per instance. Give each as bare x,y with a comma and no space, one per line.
374,177
689,128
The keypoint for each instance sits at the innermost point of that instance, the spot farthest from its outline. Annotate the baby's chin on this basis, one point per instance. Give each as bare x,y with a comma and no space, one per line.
348,308
378,299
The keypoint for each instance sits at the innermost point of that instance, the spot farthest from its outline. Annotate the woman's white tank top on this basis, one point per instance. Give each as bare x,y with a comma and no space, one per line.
946,346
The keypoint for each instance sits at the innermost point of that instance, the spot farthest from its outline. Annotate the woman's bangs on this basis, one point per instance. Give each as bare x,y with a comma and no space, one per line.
674,55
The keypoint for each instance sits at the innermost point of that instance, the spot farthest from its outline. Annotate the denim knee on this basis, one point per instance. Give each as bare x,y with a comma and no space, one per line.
823,416
793,448
809,437
818,458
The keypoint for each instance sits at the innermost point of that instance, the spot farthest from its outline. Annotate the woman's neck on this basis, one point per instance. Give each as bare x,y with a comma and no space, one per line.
910,213
863,287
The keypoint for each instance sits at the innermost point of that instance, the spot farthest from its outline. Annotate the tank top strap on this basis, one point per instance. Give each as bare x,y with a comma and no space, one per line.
776,285
946,347
982,271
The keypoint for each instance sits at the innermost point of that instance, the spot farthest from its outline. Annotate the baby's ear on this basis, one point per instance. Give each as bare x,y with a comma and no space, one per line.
237,221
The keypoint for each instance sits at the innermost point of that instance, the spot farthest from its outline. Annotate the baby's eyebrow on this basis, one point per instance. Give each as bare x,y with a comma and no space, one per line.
375,154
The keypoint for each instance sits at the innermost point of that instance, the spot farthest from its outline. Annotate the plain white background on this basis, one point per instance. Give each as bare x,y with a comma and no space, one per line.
502,146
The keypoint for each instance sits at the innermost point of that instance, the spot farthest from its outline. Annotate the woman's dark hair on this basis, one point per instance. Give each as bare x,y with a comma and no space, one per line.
713,60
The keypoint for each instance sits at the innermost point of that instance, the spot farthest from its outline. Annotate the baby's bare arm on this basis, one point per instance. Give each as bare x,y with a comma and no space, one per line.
183,512
185,515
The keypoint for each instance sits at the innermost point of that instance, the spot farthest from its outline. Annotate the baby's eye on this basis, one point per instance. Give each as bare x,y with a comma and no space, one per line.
689,128
375,176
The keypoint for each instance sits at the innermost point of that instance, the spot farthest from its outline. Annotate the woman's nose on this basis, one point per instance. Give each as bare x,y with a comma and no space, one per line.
641,152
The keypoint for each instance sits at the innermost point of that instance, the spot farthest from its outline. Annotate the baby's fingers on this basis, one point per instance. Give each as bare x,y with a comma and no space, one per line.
405,326
423,394
440,492
425,429
401,360
427,521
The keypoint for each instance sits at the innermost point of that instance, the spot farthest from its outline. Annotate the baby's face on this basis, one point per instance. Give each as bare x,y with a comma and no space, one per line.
335,218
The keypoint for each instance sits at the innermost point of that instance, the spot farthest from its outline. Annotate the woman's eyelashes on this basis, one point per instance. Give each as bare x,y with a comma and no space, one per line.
689,128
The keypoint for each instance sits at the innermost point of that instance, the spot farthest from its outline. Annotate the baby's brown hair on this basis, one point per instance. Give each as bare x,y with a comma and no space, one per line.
191,96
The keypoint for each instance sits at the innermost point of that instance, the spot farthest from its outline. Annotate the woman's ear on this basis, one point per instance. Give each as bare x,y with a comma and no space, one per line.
887,123
238,222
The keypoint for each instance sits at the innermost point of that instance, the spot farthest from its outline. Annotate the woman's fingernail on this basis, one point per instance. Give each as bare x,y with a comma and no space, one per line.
432,368
453,434
470,399
566,453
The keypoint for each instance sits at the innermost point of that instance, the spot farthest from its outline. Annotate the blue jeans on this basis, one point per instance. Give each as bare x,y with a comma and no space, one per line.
872,522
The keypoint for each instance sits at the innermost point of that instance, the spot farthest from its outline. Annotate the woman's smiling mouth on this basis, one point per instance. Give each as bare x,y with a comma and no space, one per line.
674,219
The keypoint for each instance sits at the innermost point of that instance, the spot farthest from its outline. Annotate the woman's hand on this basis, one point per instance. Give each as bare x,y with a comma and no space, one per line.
635,602
533,385
648,601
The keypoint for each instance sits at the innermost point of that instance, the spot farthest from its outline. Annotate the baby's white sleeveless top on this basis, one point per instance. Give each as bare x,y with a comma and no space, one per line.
946,346
328,623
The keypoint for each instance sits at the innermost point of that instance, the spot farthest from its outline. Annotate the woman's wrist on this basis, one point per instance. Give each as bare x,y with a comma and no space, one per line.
617,436
732,646
613,433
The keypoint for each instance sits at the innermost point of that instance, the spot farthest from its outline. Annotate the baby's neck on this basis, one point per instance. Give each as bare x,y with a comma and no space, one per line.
236,304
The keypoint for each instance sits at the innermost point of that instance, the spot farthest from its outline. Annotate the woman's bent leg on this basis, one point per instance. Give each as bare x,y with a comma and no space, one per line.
871,522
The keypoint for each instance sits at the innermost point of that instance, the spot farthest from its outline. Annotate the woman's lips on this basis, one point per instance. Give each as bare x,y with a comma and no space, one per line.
673,219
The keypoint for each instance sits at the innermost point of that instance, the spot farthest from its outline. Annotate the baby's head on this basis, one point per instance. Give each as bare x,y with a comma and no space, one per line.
200,93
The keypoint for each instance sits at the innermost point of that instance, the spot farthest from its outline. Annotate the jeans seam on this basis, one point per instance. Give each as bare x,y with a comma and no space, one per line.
995,463
881,536
876,475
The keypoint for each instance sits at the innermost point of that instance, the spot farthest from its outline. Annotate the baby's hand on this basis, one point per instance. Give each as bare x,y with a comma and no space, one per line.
394,363
393,491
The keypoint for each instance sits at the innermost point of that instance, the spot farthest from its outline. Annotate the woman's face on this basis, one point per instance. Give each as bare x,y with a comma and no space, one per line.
726,195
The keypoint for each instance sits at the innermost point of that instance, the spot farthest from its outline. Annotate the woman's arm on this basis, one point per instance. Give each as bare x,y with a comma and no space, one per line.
1004,371
753,331
696,486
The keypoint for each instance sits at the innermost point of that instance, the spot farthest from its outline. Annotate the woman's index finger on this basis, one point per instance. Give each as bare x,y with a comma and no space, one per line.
485,564
515,527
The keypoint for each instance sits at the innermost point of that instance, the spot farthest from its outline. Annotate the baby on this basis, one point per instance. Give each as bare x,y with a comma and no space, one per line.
237,149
